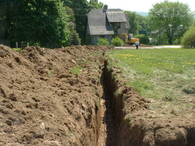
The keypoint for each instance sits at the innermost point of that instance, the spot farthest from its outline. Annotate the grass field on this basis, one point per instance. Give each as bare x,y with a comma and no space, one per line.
166,75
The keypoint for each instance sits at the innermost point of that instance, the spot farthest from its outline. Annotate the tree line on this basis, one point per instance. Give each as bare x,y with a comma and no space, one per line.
48,23
56,23
166,22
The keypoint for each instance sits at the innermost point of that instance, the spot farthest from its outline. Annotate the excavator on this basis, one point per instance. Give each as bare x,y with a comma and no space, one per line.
128,38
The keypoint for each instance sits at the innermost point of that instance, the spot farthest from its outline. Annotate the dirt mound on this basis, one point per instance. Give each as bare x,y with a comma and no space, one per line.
43,103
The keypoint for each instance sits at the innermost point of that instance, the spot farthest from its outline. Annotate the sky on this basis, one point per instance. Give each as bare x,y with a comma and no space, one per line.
141,5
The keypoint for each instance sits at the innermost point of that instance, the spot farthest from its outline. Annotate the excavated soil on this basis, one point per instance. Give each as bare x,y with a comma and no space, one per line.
43,103
69,97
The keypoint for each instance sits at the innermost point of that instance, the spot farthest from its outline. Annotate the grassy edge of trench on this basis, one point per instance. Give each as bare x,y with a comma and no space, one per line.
164,76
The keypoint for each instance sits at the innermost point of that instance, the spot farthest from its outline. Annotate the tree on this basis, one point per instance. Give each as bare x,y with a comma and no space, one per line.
44,22
134,23
94,4
171,19
188,40
138,23
7,11
80,8
143,24
70,13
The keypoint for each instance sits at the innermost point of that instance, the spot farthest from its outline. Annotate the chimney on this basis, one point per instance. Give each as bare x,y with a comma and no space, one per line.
105,8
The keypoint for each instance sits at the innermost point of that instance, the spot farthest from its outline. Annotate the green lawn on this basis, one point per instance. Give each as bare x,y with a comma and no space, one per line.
166,75
17,49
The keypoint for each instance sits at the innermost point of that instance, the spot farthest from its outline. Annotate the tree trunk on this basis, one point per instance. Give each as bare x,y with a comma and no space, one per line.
170,40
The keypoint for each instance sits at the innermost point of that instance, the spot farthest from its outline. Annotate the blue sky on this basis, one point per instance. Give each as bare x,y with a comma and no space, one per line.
141,5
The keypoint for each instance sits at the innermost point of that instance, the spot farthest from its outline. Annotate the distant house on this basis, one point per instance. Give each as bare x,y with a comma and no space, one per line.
106,23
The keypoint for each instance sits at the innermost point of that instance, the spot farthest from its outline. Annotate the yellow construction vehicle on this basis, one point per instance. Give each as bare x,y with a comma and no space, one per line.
128,38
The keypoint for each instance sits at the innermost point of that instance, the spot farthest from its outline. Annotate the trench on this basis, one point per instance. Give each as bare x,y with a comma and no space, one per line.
116,130
109,117
113,114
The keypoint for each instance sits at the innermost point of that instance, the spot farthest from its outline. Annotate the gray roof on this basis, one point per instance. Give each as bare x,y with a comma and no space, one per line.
98,25
116,15
99,20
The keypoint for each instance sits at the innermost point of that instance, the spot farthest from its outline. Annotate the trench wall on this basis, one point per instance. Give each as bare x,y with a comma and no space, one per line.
141,131
124,135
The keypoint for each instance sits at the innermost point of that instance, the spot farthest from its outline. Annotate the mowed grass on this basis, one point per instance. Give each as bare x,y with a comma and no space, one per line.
166,75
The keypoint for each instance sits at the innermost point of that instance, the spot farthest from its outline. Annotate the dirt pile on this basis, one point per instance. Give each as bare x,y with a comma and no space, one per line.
42,100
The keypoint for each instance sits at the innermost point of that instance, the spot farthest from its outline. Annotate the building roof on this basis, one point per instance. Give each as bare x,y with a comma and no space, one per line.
99,20
98,24
116,15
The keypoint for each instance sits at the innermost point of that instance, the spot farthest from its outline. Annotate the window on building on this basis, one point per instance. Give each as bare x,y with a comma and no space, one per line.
118,25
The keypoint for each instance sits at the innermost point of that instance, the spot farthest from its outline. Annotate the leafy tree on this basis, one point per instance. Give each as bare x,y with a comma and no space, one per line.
134,23
171,19
80,8
143,24
94,4
7,11
74,36
138,23
70,13
188,40
42,22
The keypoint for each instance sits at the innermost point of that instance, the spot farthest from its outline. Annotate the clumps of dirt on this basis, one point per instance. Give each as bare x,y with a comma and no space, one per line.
43,103
138,124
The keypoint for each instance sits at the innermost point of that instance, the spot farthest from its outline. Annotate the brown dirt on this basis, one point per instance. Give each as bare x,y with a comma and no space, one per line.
43,103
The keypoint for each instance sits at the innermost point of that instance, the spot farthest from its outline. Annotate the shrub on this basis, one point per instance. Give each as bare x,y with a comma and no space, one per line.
117,41
188,40
143,39
103,41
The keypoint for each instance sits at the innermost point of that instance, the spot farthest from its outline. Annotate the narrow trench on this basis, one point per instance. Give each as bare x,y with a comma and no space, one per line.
109,117
109,120
114,134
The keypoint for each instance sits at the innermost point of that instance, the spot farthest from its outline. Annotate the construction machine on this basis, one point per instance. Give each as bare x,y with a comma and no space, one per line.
128,38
